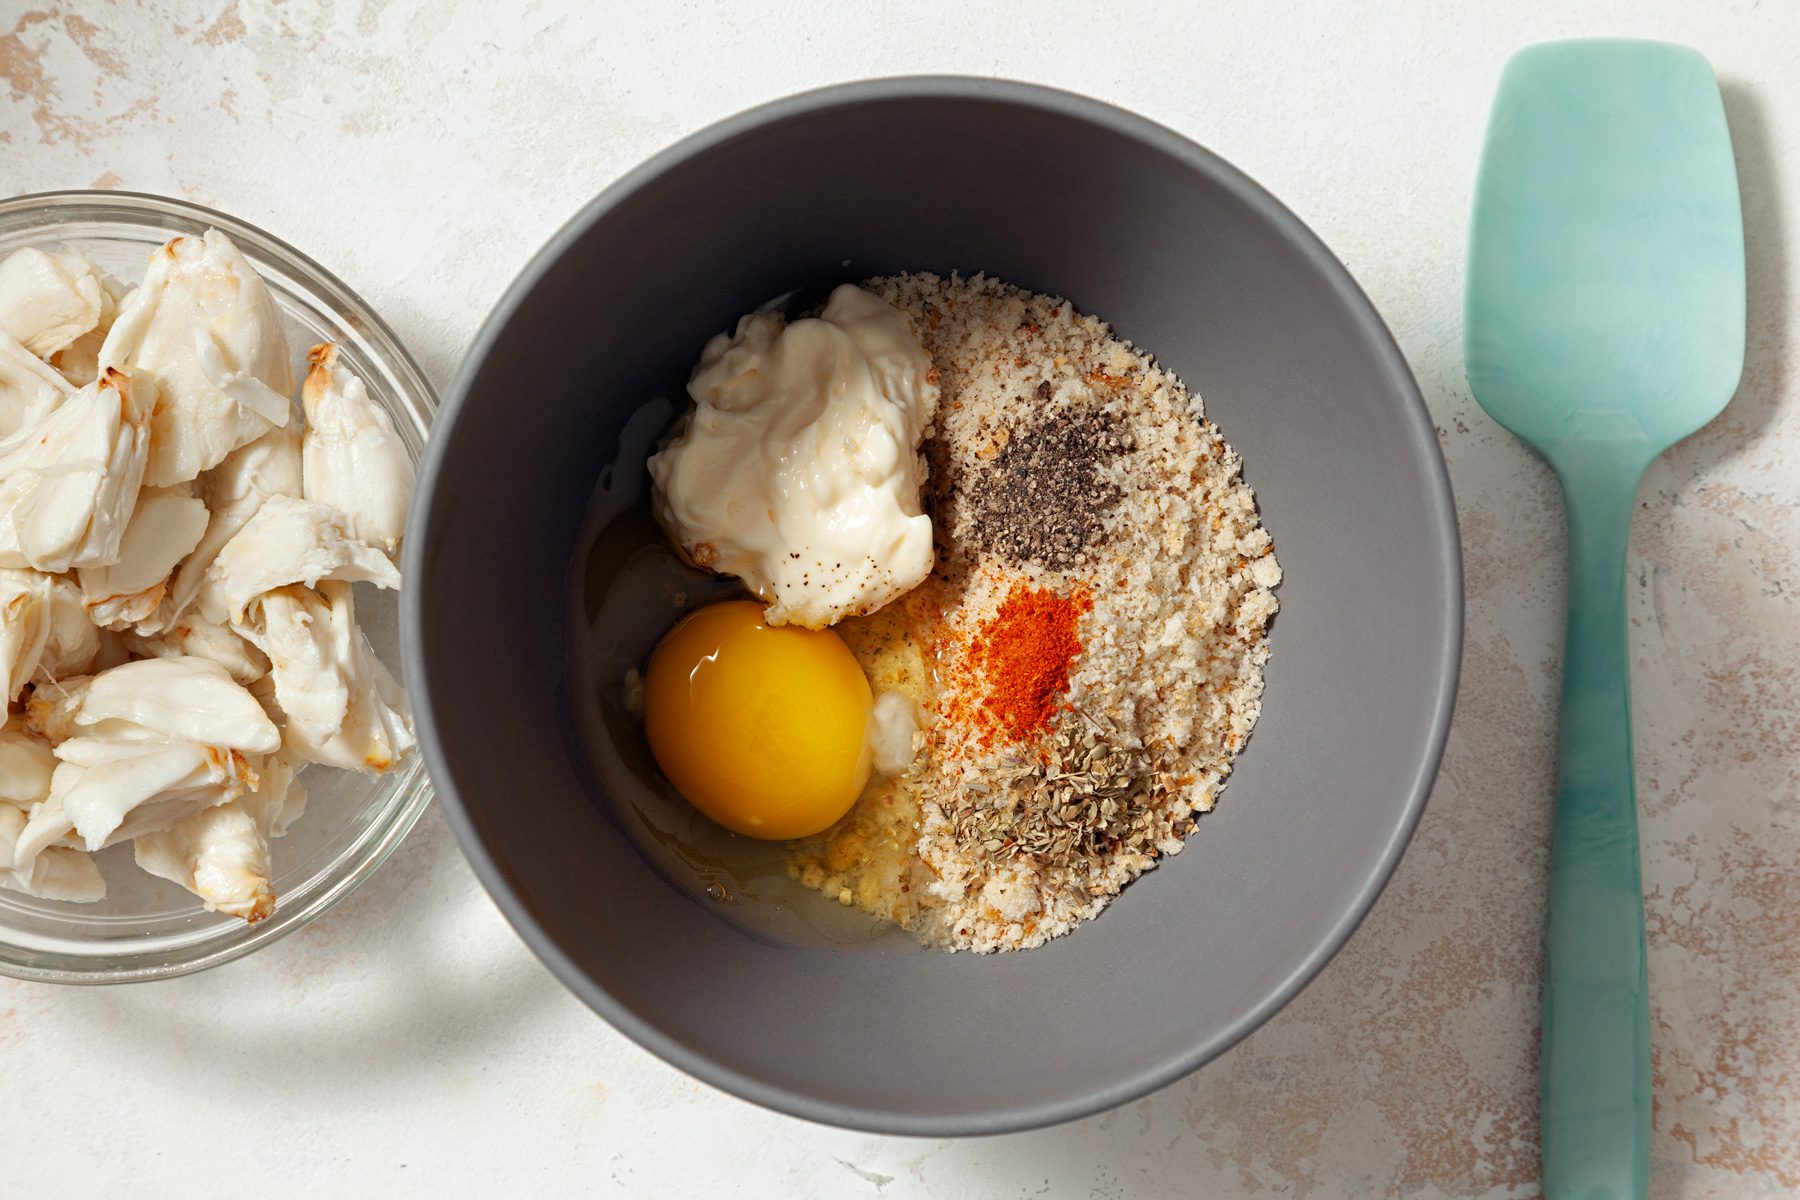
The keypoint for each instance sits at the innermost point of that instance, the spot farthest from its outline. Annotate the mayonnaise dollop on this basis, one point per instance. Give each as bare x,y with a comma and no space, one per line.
798,470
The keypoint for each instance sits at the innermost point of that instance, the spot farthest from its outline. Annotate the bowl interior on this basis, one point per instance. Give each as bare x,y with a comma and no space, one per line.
148,927
1187,259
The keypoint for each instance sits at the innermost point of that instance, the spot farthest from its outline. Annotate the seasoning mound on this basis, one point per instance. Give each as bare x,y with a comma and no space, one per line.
1047,495
1023,655
1096,628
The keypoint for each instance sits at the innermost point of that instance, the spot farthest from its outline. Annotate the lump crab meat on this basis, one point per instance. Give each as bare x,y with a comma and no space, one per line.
155,699
79,361
69,483
288,541
193,636
26,763
74,643
176,558
24,628
203,323
57,872
105,791
341,706
53,873
29,389
232,492
353,459
164,529
221,854
48,300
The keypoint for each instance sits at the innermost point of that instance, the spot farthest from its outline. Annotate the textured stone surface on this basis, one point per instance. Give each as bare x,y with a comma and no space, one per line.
408,1042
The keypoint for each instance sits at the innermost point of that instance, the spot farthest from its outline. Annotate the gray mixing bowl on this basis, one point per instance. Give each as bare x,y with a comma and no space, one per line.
1187,258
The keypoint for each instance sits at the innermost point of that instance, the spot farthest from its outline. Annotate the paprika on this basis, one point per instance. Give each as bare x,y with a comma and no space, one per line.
1025,653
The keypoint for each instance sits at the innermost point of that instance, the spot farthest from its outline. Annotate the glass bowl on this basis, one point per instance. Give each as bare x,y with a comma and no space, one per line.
148,928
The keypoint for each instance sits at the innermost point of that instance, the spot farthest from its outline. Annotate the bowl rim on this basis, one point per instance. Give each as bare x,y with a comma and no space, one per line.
1416,427
413,787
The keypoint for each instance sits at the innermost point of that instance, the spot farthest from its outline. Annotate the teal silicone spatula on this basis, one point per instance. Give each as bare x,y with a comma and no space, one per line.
1604,322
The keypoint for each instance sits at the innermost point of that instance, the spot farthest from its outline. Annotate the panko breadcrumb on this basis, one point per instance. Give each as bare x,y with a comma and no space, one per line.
1063,459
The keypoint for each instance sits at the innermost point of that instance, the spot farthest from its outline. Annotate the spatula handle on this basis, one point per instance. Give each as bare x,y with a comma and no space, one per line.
1594,1075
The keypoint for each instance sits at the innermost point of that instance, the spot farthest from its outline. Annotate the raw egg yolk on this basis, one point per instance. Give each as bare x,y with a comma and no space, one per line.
761,727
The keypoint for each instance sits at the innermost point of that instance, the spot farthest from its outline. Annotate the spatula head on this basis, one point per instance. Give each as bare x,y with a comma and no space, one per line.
1606,255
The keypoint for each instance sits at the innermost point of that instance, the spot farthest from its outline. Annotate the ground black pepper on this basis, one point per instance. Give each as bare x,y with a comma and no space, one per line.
1044,498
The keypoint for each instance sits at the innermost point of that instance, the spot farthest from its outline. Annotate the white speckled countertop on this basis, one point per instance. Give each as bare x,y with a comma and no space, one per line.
408,1044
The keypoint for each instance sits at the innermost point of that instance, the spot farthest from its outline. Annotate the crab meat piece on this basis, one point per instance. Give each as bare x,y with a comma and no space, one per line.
268,466
51,708
24,628
264,691
48,300
29,389
164,529
279,797
60,873
354,460
156,699
46,827
79,361
193,636
288,541
205,326
74,645
69,483
106,791
281,817
26,763
232,491
55,872
341,706
221,854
